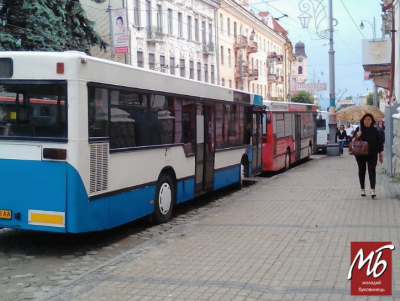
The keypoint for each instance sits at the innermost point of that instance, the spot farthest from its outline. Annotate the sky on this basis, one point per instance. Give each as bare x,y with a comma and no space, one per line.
349,73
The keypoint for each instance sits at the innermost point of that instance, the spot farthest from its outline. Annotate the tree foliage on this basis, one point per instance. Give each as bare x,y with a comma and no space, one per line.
370,99
302,97
46,25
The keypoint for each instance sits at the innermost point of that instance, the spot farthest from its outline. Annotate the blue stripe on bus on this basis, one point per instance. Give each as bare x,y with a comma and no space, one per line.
225,177
185,190
258,100
107,212
31,185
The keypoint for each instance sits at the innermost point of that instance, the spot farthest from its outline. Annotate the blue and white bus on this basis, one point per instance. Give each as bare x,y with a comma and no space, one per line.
88,144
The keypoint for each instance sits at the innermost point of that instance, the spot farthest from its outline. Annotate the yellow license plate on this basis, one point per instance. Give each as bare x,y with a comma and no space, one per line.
5,214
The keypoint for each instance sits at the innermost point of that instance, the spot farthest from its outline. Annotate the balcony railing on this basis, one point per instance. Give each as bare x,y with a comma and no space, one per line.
240,42
253,47
154,34
253,73
208,48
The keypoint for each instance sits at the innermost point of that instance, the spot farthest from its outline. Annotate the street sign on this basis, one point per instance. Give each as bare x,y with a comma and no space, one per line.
311,87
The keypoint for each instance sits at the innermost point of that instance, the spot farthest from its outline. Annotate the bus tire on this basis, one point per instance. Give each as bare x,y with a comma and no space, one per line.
164,200
287,160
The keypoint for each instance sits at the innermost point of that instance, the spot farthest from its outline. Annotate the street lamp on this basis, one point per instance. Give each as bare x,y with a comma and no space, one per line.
372,25
319,11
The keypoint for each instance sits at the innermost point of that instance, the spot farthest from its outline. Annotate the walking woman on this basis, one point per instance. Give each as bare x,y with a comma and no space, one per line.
367,132
341,137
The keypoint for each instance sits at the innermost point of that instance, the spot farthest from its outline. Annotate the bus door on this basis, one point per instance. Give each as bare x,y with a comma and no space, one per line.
298,137
256,143
205,148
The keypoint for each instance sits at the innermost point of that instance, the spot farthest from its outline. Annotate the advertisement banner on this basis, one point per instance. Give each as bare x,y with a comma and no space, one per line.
311,87
370,270
120,33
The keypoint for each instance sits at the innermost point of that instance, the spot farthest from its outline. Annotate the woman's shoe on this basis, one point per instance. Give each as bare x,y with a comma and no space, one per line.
363,192
373,195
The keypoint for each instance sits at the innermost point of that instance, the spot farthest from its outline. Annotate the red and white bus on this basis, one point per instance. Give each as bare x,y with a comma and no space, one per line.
289,134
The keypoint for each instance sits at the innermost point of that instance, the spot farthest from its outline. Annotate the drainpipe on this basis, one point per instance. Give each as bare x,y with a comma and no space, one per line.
216,43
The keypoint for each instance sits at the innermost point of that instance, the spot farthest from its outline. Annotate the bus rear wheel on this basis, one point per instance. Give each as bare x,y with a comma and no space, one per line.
165,199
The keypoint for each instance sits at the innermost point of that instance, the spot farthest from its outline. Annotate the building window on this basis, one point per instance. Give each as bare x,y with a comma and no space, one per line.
159,18
172,65
206,73
230,83
300,70
189,27
203,28
222,55
221,19
236,85
191,70
152,63
162,63
182,67
199,71
234,29
210,39
136,12
229,57
148,13
196,30
229,26
180,29
212,74
253,88
170,21
140,59
223,82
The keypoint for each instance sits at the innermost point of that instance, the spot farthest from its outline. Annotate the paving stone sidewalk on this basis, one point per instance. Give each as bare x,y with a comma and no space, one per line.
285,238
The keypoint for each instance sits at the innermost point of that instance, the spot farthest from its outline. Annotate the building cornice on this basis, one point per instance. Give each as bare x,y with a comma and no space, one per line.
251,20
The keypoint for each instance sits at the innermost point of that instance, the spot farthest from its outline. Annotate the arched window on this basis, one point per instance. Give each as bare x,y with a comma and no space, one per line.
300,70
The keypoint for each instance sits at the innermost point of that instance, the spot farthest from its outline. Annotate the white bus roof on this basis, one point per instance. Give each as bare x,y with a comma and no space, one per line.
35,65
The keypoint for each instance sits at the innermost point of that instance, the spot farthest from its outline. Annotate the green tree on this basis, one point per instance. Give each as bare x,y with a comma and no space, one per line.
46,25
370,99
302,97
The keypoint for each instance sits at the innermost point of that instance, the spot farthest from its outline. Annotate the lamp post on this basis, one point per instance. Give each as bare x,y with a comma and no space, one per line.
319,12
376,102
372,25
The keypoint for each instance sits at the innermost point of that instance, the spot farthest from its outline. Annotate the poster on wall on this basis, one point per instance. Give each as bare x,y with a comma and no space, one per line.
120,33
293,84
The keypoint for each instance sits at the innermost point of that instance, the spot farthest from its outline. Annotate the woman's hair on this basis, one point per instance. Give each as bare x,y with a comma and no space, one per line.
363,118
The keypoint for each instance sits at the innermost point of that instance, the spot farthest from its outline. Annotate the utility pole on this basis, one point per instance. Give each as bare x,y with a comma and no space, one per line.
111,29
333,148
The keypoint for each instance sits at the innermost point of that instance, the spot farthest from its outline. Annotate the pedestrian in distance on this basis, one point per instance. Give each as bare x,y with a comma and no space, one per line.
367,132
341,137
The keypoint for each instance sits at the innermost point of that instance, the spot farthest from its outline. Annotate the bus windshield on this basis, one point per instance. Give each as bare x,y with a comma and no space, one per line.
33,109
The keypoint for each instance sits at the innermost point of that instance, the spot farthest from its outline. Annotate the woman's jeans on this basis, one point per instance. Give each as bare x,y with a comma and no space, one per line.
341,145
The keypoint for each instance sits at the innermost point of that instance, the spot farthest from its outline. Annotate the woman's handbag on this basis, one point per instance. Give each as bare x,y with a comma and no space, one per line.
358,148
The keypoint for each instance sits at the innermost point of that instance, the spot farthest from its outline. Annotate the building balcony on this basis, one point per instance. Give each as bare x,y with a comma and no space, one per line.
272,55
208,48
245,70
376,59
252,47
240,42
253,74
155,34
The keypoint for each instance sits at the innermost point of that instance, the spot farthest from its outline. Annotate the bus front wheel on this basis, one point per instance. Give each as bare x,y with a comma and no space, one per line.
165,199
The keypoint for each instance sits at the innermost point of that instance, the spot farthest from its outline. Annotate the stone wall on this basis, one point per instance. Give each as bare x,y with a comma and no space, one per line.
396,145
